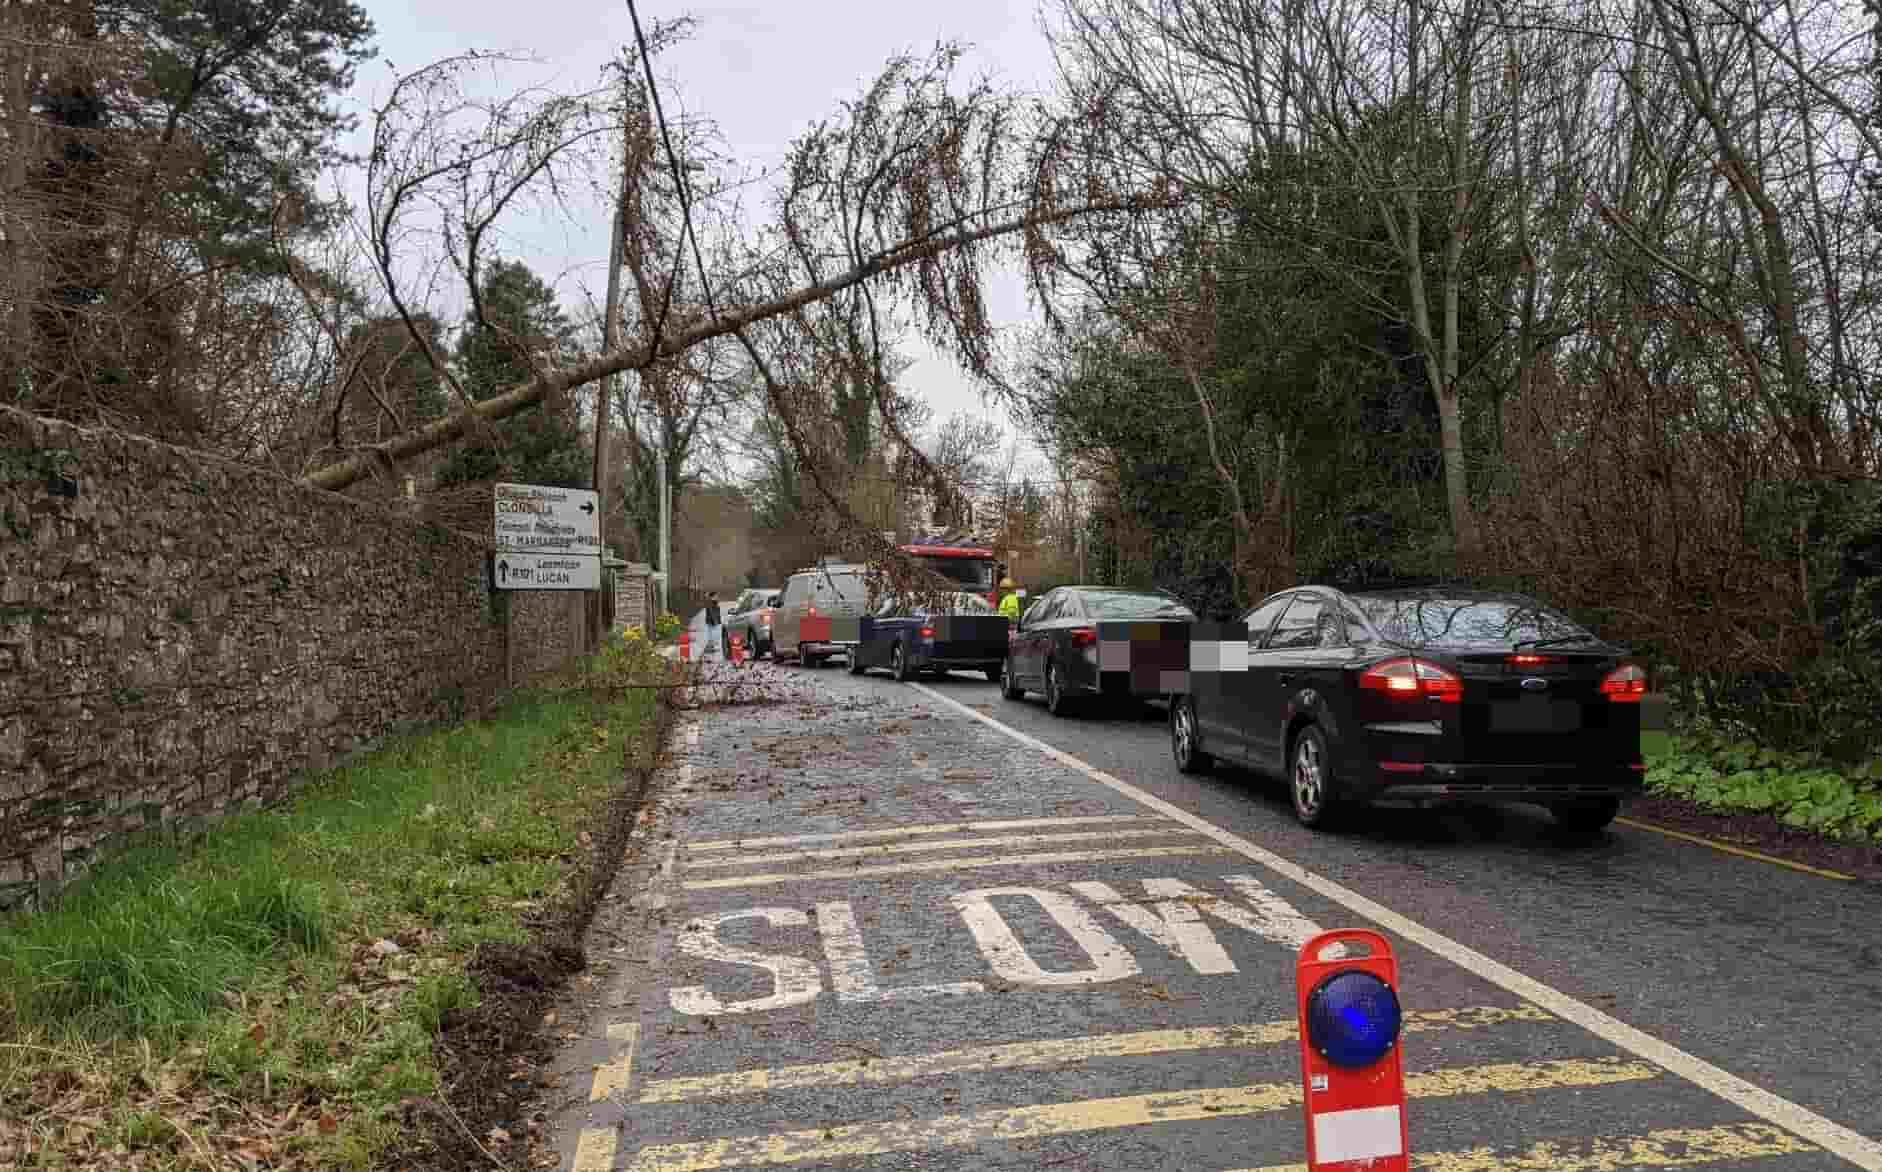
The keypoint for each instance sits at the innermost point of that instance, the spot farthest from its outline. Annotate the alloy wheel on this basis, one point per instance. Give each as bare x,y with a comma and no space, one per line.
1309,778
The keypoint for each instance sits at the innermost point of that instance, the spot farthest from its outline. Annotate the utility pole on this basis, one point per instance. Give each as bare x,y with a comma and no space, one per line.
610,340
666,506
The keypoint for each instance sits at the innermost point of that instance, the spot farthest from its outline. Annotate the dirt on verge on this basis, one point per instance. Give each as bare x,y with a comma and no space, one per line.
1762,833
489,1055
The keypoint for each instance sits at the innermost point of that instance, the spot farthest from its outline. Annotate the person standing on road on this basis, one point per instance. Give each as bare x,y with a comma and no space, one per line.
712,619
1009,604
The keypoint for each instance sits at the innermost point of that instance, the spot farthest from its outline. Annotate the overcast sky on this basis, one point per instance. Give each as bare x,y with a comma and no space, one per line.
764,72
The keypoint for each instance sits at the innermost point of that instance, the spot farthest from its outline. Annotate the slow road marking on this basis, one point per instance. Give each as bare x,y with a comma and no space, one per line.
1852,1146
1013,1123
1046,1052
1673,1147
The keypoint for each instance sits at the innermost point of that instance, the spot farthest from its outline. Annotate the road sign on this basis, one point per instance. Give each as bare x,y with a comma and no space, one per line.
546,571
534,518
1354,1083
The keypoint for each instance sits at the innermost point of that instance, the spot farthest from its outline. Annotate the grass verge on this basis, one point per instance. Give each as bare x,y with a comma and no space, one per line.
273,994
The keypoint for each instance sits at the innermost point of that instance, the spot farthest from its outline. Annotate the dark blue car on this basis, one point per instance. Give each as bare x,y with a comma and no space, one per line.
965,635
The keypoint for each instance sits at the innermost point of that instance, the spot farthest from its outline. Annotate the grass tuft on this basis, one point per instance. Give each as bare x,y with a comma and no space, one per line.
242,969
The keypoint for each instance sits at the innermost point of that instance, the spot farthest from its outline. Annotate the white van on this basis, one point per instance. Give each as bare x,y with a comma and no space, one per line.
821,614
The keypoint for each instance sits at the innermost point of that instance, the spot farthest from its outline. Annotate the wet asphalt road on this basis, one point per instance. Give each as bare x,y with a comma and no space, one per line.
1092,982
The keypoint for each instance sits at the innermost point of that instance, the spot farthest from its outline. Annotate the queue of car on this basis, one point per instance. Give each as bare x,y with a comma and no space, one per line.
1409,696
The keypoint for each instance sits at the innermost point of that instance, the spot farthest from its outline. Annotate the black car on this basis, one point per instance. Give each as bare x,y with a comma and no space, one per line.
1419,697
1054,646
967,634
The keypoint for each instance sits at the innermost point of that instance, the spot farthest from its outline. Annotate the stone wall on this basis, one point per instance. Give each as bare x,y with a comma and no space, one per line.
181,634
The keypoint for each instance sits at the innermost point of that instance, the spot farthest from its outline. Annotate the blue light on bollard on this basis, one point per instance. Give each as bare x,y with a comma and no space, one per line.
1352,1018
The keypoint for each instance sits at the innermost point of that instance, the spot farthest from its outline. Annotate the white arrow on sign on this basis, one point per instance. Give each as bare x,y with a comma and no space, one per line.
536,518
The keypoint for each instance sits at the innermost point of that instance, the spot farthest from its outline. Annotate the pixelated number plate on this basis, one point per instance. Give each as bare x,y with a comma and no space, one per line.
1159,659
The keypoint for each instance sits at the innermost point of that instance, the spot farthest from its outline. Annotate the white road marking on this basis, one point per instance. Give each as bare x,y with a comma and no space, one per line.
794,979
1173,923
723,844
659,886
850,971
942,844
1852,1146
961,864
1009,958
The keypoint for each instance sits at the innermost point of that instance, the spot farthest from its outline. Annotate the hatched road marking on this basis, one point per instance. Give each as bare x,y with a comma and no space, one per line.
903,848
721,844
1013,1123
1858,1149
1674,1147
1042,1053
1155,852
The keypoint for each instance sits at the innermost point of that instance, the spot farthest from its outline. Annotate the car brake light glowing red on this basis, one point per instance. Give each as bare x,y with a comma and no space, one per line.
1527,658
1084,636
1409,677
927,632
1625,684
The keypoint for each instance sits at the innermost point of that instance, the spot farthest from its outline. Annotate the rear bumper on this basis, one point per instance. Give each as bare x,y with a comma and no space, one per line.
962,662
826,648
1434,783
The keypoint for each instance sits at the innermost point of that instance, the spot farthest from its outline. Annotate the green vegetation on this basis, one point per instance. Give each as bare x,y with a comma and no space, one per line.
206,996
667,626
1802,790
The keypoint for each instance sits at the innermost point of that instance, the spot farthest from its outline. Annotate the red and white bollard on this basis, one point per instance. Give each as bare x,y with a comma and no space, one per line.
686,644
738,649
1353,1079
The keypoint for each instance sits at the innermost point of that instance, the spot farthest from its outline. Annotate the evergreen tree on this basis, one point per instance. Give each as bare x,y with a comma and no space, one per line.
523,324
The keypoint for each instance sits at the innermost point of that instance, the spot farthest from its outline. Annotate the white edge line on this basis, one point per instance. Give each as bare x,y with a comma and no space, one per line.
1858,1149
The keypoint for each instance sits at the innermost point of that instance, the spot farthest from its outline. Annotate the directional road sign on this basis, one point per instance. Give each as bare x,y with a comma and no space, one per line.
534,518
539,571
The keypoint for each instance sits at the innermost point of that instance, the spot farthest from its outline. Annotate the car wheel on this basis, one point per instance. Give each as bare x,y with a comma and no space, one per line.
898,664
856,663
1310,780
1186,738
1588,817
725,643
811,661
994,674
1057,703
1008,687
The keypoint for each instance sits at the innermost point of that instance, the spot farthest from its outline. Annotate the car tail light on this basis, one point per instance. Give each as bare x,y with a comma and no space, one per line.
812,612
1084,636
1413,677
1526,659
927,632
1625,684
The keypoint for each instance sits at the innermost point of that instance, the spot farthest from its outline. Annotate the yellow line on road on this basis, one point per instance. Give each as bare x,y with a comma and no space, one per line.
594,1150
1003,1124
1674,1147
946,844
1741,852
1044,1052
1153,852
722,844
613,1075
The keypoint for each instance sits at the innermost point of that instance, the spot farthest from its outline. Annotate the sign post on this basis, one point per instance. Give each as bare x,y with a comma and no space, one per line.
546,538
1353,1083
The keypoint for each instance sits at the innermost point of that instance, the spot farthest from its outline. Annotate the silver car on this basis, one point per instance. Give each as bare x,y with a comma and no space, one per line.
751,615
820,614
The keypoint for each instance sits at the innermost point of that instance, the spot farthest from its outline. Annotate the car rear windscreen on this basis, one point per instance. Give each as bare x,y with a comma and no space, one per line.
966,571
1467,622
1109,607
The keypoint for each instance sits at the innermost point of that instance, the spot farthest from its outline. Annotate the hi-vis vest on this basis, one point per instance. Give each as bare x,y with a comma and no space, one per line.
1009,606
